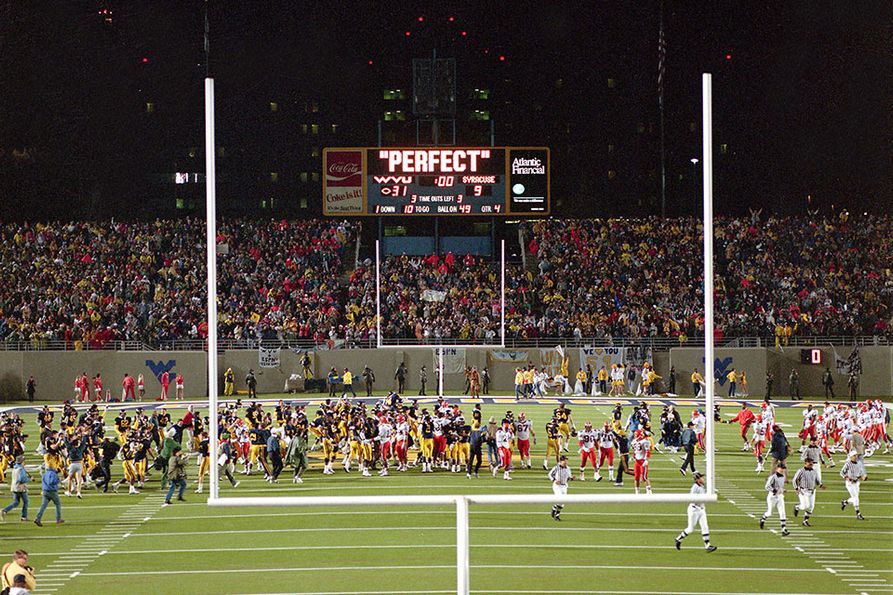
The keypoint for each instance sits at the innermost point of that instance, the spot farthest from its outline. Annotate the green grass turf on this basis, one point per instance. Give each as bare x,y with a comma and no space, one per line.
191,548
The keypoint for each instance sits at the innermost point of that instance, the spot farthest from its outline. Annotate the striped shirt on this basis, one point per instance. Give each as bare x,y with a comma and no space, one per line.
806,479
813,453
560,475
775,484
853,471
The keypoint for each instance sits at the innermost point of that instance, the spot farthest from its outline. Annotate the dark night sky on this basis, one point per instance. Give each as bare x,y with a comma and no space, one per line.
805,103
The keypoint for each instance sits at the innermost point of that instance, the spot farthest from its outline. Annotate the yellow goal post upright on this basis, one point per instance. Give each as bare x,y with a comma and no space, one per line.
462,502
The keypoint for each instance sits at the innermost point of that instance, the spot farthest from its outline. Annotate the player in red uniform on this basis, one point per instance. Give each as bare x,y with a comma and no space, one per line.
587,440
641,448
745,419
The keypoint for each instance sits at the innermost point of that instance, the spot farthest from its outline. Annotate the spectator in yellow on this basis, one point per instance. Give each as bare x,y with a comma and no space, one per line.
732,377
229,379
696,381
347,381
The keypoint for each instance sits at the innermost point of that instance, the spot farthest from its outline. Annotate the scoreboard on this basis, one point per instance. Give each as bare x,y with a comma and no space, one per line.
430,181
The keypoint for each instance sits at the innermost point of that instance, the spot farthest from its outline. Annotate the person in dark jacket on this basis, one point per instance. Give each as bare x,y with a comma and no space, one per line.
780,449
689,440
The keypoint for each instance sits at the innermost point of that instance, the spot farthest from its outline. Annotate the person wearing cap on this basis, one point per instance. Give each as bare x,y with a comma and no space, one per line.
176,473
697,514
560,475
853,474
775,498
805,482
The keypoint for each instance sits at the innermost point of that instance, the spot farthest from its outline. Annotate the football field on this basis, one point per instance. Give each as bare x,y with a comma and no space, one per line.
131,544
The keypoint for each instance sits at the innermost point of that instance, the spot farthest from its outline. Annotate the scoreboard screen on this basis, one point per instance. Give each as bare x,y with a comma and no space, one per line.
436,181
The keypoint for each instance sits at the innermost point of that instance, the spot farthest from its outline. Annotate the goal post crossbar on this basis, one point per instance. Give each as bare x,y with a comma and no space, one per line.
445,500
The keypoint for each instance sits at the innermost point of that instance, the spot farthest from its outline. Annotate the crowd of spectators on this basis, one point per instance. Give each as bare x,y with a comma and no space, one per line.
774,277
89,283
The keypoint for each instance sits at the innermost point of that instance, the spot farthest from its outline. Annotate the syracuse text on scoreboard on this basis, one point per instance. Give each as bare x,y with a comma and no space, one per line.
436,181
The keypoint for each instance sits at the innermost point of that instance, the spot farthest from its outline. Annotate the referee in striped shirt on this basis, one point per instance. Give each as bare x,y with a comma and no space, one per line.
853,474
560,475
805,481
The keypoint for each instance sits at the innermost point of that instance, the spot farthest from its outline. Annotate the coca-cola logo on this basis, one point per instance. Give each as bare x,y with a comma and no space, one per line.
344,168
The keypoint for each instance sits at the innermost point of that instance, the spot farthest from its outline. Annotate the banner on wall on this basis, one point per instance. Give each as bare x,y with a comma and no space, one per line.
597,357
551,360
431,295
519,357
269,358
453,360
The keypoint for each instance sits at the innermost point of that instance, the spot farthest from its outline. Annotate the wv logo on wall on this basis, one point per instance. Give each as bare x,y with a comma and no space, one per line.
160,367
721,368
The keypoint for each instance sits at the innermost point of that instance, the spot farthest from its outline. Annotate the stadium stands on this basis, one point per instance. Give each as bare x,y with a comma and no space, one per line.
86,284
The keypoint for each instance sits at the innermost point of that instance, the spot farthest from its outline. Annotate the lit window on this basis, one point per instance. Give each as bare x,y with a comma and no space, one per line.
724,149
314,107
192,152
612,83
314,129
481,115
400,115
274,176
334,128
303,129
221,152
611,147
304,177
612,174
274,107
150,107
314,176
304,202
314,152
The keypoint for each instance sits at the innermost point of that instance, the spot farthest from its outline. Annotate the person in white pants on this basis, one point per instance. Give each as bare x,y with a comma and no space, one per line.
775,498
560,475
805,482
697,515
853,474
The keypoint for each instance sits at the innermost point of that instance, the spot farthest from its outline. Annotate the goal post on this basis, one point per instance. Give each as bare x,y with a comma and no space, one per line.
462,502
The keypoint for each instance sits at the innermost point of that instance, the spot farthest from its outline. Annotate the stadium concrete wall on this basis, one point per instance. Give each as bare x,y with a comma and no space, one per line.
55,371
876,379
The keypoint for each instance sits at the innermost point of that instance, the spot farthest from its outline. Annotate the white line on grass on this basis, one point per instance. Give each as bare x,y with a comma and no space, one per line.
452,567
550,546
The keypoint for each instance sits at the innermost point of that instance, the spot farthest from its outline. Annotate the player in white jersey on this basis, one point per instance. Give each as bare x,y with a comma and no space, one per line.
760,427
641,448
587,440
775,498
385,435
607,440
700,422
401,437
523,432
697,515
768,412
504,437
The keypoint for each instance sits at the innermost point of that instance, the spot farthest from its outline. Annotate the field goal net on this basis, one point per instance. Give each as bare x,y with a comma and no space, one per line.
462,502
